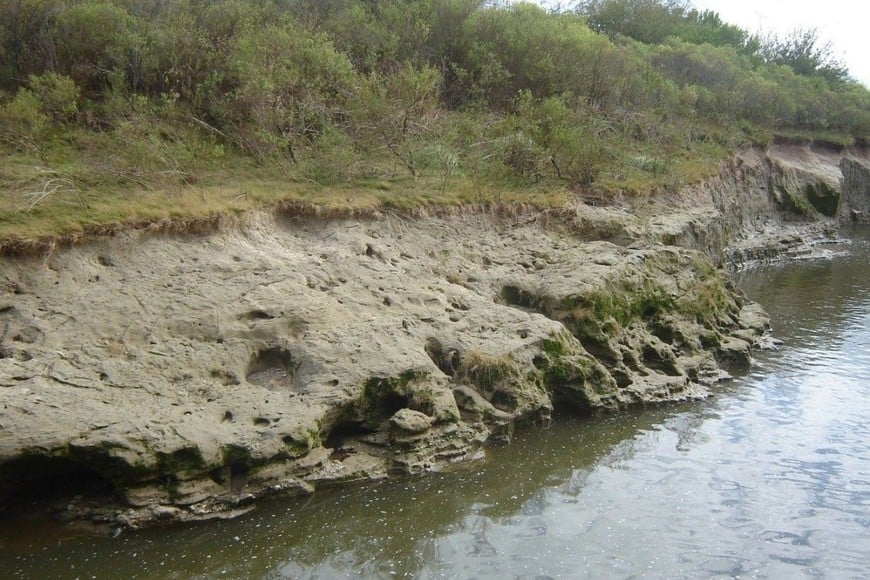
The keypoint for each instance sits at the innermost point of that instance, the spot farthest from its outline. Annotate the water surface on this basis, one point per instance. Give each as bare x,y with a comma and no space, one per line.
768,479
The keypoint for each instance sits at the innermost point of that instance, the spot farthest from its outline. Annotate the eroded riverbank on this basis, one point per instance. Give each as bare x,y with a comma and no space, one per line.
765,479
162,378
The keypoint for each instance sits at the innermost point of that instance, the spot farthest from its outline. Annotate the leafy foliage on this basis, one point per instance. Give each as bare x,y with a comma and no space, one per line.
802,52
396,111
616,96
649,21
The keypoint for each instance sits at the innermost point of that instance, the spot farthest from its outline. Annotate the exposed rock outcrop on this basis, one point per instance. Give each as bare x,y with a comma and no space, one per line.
784,202
170,378
855,205
194,373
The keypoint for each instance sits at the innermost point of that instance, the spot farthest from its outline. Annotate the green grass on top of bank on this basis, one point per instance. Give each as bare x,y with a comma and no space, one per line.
117,112
78,183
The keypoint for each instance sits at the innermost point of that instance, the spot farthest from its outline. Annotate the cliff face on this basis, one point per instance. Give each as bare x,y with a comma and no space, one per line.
765,205
855,205
176,378
190,374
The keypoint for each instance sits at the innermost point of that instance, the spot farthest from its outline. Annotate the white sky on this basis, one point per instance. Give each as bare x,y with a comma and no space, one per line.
842,22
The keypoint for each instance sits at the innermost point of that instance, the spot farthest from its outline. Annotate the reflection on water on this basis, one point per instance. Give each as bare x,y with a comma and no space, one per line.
769,479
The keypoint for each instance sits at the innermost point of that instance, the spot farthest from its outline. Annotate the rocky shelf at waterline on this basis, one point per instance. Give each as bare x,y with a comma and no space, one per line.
161,378
189,375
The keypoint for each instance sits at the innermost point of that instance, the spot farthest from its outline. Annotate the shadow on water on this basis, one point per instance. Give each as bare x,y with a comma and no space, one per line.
377,529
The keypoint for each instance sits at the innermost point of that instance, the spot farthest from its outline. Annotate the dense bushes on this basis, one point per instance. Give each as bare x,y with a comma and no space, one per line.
333,90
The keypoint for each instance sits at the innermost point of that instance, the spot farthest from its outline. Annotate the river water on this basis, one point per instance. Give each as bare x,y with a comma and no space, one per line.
768,479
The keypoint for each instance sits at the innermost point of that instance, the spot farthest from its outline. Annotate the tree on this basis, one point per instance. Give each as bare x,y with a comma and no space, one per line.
396,111
448,46
649,21
25,31
801,50
91,41
374,35
523,48
288,85
565,138
707,27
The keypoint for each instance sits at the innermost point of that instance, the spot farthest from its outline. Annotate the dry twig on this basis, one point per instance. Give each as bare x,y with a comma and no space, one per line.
50,187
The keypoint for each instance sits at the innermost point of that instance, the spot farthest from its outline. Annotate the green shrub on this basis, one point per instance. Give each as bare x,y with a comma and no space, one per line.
58,96
396,112
23,125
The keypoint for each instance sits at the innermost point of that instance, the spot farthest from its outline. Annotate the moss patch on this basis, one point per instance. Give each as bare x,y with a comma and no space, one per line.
824,198
571,375
794,202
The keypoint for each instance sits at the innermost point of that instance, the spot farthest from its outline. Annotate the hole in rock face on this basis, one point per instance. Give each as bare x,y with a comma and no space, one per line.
271,368
622,378
655,360
261,422
630,360
503,401
238,475
344,431
237,466
445,358
519,298
219,475
664,333
382,401
598,348
50,482
387,406
255,315
569,403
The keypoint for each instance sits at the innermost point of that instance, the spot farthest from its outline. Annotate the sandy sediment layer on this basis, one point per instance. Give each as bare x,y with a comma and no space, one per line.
176,377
